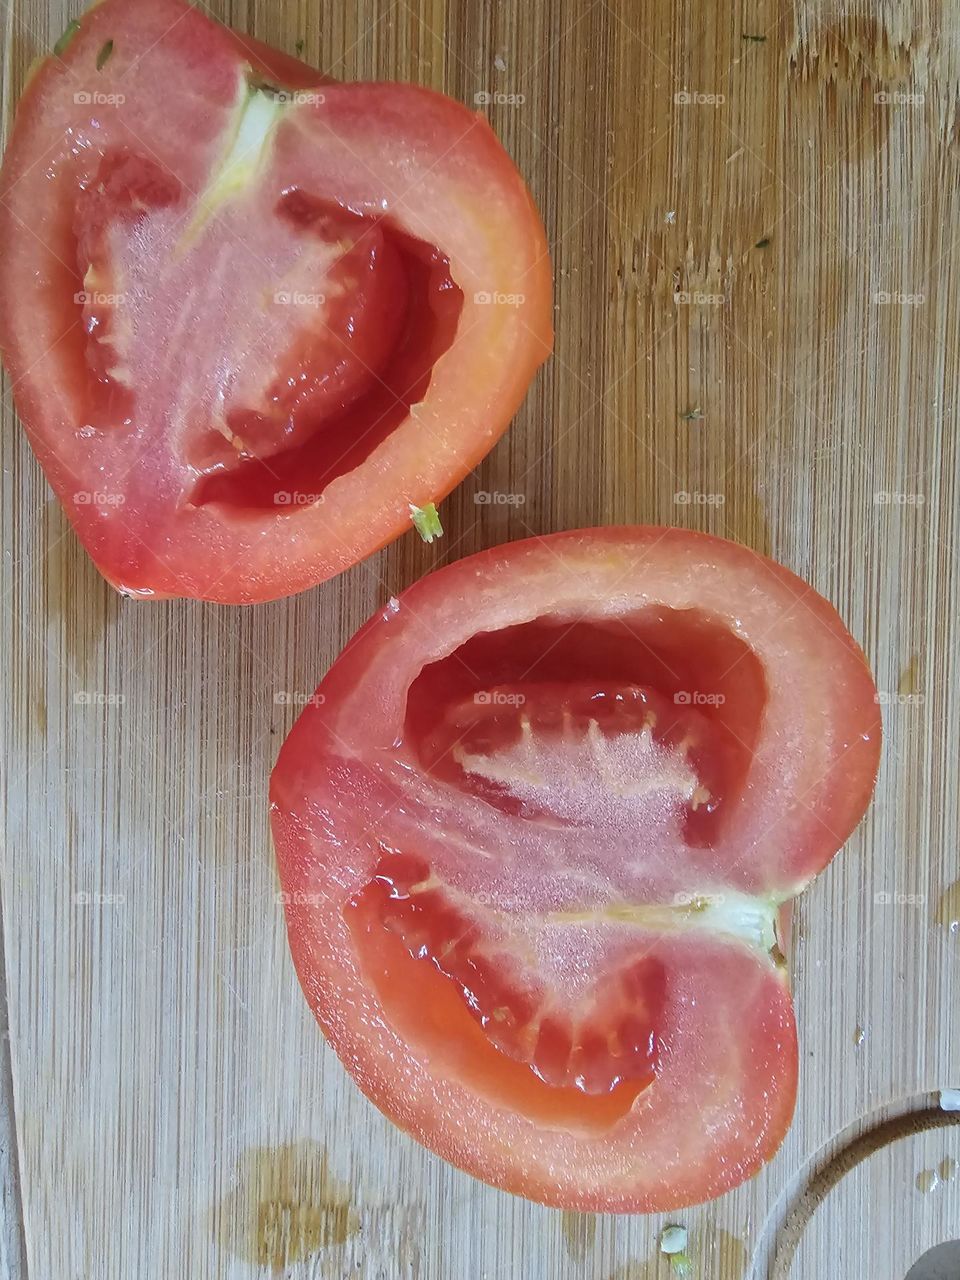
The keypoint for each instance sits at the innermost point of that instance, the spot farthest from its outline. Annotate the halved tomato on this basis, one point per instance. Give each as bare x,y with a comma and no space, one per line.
252,317
538,832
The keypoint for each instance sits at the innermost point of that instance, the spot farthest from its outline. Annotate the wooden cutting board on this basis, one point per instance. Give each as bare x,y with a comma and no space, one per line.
755,223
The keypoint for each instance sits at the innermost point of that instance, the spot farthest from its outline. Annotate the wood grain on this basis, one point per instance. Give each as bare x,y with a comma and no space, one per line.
728,358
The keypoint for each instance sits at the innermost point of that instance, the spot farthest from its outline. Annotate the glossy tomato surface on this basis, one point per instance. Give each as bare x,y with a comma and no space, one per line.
538,833
251,316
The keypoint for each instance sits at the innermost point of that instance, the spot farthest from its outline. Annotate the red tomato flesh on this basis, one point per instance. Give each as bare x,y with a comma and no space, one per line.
538,834
249,326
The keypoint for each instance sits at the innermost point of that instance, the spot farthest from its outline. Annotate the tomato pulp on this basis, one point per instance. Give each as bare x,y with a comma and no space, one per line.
538,836
252,317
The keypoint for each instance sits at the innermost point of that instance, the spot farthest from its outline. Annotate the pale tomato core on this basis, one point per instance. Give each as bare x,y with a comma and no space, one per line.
645,720
352,316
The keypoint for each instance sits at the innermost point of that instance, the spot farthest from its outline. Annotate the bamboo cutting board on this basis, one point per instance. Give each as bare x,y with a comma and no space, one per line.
754,223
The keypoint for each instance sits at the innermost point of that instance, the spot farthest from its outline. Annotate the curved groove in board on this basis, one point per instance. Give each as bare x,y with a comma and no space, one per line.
818,1177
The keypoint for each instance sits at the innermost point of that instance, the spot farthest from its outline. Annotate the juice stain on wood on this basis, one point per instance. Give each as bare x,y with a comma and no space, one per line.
731,1255
948,909
579,1233
716,1252
947,1169
38,715
909,682
286,1206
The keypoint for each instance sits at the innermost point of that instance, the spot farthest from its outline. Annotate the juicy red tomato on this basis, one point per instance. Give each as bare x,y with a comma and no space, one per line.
252,316
538,833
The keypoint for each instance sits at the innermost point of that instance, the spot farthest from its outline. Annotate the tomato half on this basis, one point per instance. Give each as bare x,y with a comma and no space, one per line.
251,317
538,832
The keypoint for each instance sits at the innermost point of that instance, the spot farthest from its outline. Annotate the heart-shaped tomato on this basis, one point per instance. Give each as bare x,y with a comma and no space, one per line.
538,832
252,316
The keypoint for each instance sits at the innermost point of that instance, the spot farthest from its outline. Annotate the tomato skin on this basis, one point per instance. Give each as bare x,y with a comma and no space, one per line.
433,167
727,1074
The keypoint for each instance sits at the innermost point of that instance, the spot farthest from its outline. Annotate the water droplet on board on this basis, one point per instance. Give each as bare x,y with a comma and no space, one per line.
927,1179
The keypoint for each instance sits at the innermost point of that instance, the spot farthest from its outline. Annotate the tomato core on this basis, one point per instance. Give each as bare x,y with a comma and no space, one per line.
350,316
570,723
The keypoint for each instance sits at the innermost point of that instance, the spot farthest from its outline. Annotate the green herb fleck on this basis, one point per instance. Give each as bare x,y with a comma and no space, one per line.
63,44
103,57
300,46
692,415
763,244
756,39
426,521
